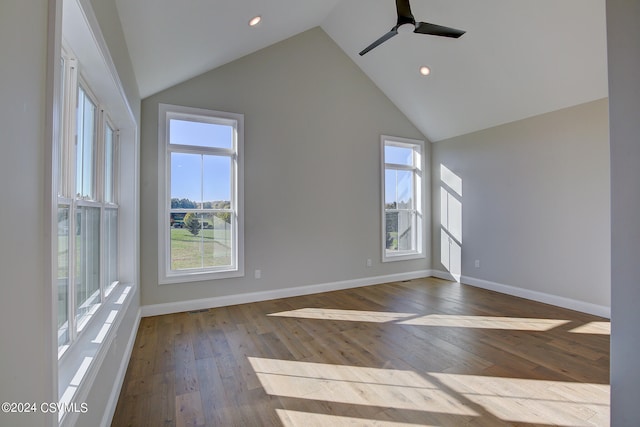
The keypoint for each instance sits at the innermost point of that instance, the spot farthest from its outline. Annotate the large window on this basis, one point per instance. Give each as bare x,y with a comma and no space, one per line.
87,228
200,168
403,204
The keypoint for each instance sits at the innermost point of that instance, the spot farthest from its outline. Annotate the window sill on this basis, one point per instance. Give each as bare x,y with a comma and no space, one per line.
403,256
79,364
199,276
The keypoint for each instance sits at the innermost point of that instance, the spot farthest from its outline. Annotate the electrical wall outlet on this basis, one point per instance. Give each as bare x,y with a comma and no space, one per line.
369,263
257,274
477,263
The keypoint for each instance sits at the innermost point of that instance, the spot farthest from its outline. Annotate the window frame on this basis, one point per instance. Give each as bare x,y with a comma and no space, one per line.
72,82
418,168
96,146
112,199
166,112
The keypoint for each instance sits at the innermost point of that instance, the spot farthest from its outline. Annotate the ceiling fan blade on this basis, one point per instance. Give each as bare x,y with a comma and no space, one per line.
404,12
381,40
437,30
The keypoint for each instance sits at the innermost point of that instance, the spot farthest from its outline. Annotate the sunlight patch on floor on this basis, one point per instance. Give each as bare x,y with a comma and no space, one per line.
485,322
386,388
513,400
346,315
296,419
446,320
533,401
597,328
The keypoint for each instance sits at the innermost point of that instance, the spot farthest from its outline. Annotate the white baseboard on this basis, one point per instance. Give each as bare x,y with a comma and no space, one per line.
571,304
110,408
200,304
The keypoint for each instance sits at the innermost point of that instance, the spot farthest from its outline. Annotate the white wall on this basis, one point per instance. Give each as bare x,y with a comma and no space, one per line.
535,203
312,168
623,35
25,306
109,20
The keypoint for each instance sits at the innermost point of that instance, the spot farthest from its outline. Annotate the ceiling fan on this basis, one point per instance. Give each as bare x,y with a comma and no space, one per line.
406,19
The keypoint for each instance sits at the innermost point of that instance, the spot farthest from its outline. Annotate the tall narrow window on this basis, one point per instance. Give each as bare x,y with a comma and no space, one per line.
200,194
403,219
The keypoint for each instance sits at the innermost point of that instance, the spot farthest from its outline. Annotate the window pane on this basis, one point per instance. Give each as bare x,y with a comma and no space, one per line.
405,231
398,191
398,155
186,241
200,240
391,231
399,234
186,132
109,148
61,152
63,275
390,189
85,145
110,270
186,180
219,250
217,181
405,189
87,274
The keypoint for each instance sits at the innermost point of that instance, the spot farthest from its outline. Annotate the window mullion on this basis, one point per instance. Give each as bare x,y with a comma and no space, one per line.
195,149
70,145
201,207
100,155
115,172
396,166
100,169
416,202
102,252
72,272
69,132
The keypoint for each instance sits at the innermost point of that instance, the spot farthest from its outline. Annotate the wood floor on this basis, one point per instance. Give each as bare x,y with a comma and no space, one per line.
421,352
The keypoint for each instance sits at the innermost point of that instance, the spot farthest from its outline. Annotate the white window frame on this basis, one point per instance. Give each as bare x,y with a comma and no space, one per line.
418,169
167,112
73,81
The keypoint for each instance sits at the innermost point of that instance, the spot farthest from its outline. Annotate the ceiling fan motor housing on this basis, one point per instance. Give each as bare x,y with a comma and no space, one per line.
406,20
406,23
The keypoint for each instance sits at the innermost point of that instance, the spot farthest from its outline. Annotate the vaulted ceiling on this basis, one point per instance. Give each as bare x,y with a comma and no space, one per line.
519,58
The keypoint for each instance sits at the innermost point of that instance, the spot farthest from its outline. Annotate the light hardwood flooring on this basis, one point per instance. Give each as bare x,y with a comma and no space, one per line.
422,352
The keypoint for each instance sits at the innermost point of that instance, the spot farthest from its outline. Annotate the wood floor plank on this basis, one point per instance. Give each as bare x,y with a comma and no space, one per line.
189,411
418,352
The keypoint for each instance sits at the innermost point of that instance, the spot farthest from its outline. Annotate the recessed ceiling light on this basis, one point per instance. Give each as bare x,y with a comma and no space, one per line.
425,71
255,21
